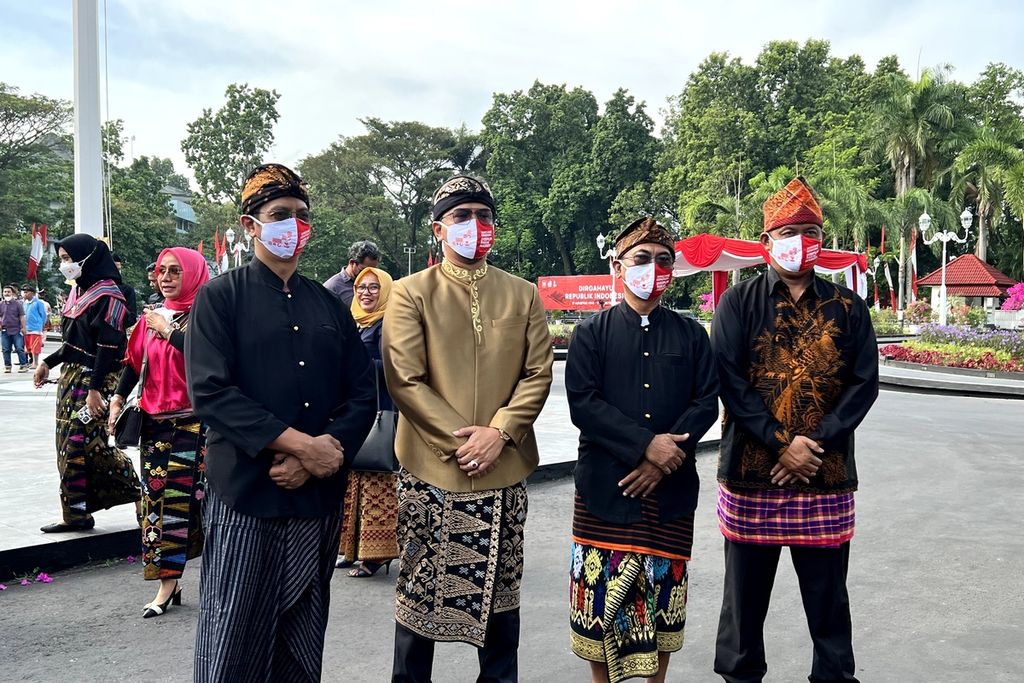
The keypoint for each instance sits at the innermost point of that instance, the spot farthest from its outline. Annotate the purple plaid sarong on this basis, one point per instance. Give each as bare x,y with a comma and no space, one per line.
785,517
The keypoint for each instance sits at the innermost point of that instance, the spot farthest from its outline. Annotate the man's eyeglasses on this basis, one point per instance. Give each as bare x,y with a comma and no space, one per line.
285,214
173,271
368,288
663,260
463,215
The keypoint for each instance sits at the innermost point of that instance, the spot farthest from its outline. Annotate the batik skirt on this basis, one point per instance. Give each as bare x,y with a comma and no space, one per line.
461,558
93,475
172,455
369,517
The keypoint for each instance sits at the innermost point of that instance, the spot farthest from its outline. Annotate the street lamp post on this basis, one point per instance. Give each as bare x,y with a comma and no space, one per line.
610,255
409,251
923,223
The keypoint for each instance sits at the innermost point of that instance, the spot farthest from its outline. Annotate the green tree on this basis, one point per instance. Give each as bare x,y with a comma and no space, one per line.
980,170
912,120
222,147
28,126
141,224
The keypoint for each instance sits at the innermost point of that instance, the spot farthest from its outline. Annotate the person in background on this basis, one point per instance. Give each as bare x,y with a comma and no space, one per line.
370,513
277,370
155,298
93,475
132,316
12,329
35,322
362,254
173,443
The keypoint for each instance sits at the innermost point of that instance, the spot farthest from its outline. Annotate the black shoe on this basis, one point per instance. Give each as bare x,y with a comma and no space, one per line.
367,569
342,563
61,527
155,610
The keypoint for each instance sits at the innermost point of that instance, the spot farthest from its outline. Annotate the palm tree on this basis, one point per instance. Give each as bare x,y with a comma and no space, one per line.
1013,193
911,121
980,169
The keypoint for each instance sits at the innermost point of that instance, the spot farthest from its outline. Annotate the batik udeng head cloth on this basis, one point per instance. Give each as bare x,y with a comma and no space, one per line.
640,231
460,189
269,182
792,205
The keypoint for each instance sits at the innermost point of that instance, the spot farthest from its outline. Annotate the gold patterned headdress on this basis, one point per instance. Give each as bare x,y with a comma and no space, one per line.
271,181
460,189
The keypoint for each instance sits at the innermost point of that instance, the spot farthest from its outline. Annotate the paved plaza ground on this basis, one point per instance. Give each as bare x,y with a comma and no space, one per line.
935,577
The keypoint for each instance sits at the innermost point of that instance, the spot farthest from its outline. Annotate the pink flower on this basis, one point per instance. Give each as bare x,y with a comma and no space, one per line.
25,582
3,586
131,559
43,577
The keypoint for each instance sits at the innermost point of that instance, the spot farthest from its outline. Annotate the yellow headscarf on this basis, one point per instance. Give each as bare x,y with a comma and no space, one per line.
362,318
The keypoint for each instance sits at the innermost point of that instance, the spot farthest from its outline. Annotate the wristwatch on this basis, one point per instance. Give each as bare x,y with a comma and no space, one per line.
503,434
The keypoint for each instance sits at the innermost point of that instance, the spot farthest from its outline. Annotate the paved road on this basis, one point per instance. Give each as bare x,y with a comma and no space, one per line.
935,578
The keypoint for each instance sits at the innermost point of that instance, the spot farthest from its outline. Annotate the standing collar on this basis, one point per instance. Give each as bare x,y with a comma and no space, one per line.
269,277
463,275
632,318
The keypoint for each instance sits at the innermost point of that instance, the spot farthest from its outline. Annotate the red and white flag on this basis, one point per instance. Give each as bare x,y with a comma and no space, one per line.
35,255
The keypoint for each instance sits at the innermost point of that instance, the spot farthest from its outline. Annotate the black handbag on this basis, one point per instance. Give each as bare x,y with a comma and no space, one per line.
128,427
378,451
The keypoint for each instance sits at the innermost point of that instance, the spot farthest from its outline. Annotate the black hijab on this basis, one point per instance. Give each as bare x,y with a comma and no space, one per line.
94,255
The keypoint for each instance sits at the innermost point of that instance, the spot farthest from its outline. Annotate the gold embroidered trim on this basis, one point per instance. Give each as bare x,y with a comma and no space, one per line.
470,278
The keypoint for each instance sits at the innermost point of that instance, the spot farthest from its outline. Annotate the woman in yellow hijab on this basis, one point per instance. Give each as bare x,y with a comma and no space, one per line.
370,517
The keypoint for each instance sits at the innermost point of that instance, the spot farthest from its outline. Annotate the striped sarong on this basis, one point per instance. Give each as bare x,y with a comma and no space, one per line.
785,517
264,595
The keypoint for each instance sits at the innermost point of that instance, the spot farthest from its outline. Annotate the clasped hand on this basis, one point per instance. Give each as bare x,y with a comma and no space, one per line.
663,456
479,455
798,461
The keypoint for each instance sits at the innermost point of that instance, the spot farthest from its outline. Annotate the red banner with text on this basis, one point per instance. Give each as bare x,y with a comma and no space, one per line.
576,292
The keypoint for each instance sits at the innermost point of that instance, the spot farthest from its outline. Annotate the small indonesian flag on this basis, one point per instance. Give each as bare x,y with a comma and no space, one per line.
35,255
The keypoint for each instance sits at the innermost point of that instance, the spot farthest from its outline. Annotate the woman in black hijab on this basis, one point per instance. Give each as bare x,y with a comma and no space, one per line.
93,475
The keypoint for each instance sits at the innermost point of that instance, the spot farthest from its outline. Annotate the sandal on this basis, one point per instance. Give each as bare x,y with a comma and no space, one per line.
367,569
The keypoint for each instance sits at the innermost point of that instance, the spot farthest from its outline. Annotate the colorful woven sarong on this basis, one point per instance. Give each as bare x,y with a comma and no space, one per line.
461,558
172,456
625,608
93,475
785,517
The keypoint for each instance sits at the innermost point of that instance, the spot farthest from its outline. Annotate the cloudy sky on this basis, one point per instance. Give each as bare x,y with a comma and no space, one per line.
439,61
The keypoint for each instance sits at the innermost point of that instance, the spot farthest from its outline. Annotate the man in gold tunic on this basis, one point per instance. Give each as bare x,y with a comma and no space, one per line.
467,358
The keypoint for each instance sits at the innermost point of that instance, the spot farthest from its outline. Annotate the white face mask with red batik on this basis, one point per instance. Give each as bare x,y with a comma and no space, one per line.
797,253
471,239
647,281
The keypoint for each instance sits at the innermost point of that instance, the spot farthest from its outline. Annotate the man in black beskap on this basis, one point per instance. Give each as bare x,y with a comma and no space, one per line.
277,370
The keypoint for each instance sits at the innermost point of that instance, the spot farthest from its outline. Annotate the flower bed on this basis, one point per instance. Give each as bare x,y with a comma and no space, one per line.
994,340
952,355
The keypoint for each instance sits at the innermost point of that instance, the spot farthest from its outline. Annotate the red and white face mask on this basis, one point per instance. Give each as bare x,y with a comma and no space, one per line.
648,281
797,253
471,240
284,239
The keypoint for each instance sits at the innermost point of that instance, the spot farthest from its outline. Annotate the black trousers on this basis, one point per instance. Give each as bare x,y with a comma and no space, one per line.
749,577
499,658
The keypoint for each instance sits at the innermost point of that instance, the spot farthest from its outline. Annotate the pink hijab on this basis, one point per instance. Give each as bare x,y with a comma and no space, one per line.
194,275
166,390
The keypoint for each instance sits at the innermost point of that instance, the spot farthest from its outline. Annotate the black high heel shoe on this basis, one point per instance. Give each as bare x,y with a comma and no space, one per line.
368,569
155,610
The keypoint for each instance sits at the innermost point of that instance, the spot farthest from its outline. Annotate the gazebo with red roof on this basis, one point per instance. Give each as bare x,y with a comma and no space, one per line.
970,277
